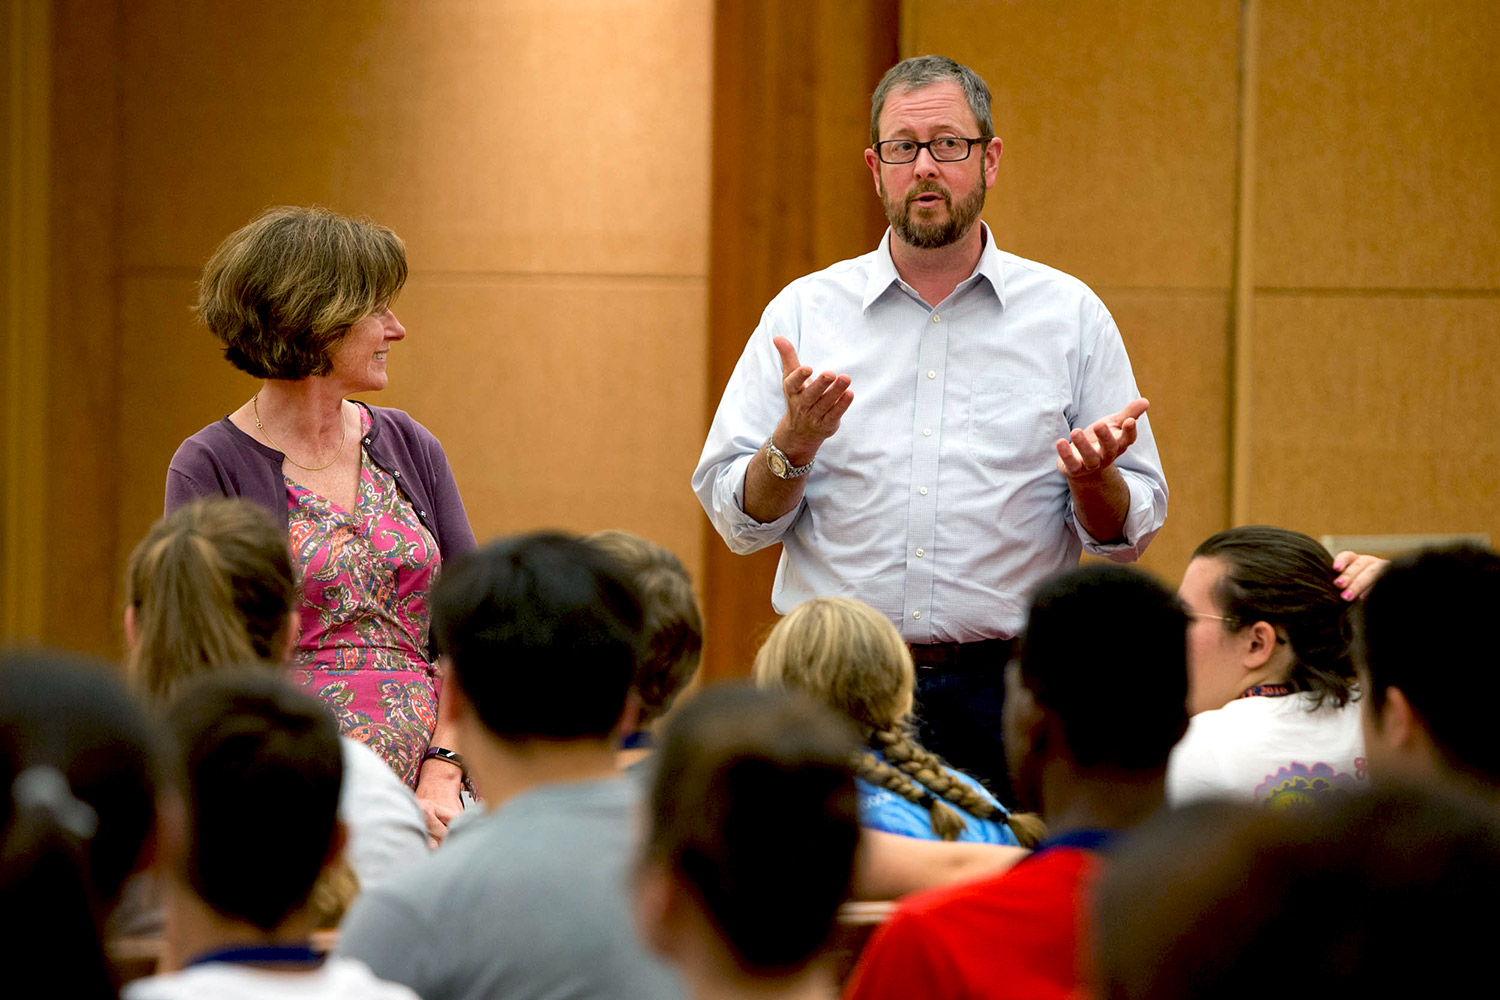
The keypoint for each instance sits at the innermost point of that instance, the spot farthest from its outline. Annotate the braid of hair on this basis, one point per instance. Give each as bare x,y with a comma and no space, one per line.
946,823
929,769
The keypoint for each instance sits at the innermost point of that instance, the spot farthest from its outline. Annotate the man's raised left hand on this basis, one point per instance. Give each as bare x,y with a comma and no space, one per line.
1089,451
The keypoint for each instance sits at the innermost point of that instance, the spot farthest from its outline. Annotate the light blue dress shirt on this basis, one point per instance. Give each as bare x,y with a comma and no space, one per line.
938,501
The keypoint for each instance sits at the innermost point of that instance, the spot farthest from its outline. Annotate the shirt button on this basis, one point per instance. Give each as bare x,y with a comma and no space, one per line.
397,473
936,318
922,490
916,614
920,553
421,513
927,432
932,373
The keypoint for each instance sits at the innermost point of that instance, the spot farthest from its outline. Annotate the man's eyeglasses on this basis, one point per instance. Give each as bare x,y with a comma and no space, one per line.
947,149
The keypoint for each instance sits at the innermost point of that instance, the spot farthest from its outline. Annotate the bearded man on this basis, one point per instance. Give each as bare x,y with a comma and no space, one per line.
998,434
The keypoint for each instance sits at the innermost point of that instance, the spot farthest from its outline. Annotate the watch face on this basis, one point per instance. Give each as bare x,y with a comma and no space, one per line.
777,461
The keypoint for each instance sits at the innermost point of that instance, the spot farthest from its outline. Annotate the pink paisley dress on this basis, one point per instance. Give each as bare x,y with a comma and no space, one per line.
363,645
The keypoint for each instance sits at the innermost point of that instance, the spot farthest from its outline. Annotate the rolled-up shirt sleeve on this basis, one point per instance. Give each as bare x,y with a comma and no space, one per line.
1106,384
748,412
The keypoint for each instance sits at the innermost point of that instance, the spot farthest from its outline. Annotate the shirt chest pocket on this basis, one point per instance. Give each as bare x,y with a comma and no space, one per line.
1015,422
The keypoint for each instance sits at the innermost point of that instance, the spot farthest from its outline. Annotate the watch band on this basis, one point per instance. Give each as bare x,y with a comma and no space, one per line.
450,757
781,467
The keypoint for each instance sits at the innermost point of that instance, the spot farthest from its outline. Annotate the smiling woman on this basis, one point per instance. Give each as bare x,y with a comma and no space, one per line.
301,297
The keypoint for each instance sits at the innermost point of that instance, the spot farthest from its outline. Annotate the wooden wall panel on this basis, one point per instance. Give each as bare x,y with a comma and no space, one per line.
1377,424
791,194
1180,356
1119,123
559,137
590,416
1380,140
82,479
548,166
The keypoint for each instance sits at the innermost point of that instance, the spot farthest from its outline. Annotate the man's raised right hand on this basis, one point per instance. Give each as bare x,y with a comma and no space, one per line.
814,406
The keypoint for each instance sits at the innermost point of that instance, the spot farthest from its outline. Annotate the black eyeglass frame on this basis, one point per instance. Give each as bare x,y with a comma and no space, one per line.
968,148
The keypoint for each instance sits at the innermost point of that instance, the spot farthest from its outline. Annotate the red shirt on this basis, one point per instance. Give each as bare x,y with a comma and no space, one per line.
1017,934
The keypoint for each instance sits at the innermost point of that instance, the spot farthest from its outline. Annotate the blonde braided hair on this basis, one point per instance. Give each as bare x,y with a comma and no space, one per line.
848,655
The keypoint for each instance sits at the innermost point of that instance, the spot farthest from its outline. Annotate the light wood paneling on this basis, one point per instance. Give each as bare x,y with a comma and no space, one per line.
1374,414
173,381
82,475
590,413
1379,141
1119,123
567,136
791,194
1178,344
561,402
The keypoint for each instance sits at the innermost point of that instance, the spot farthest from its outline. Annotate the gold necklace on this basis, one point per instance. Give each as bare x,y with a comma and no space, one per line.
255,404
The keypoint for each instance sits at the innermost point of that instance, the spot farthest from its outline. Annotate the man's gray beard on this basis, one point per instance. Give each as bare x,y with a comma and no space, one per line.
932,235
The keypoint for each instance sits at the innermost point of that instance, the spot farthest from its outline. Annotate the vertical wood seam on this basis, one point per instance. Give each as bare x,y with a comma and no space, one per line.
1240,354
25,319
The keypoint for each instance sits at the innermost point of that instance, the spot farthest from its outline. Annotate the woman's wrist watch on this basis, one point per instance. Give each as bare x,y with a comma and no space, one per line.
450,757
781,467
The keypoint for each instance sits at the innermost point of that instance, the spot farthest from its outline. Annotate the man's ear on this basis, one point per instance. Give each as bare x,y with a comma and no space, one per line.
1399,727
873,162
1262,643
630,717
132,636
454,707
992,150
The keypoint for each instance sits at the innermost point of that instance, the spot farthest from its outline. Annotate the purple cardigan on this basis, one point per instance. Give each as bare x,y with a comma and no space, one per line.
222,460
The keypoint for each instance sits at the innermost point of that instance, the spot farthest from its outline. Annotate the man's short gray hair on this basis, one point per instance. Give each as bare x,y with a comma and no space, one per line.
918,72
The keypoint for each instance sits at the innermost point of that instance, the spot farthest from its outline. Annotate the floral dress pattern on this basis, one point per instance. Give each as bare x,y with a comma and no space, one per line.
364,614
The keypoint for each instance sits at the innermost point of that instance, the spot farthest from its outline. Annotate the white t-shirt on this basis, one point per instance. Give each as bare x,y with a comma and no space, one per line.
1270,750
386,831
338,978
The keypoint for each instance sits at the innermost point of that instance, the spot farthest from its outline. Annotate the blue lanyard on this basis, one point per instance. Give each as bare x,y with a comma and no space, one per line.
301,953
1088,838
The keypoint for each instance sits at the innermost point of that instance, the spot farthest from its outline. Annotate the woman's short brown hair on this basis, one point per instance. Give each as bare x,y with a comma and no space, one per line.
282,292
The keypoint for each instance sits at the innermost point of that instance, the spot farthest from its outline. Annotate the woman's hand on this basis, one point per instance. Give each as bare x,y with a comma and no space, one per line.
438,785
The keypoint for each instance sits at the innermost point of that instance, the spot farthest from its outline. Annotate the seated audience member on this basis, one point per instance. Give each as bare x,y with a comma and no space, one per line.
754,822
1375,895
1087,739
1272,679
256,771
540,636
673,631
211,588
76,817
1426,658
888,865
847,655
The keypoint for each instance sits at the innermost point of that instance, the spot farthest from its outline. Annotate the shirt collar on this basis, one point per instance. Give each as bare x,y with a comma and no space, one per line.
883,269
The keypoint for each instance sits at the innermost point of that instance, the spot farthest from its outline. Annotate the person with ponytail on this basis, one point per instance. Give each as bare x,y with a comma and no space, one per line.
847,655
211,588
1272,682
77,815
750,851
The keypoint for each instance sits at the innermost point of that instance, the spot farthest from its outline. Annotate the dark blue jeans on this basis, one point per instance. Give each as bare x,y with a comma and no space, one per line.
959,704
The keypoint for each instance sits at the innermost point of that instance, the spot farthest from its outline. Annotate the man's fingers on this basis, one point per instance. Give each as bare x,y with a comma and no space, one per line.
827,395
841,407
1068,462
789,362
1087,447
1132,411
793,381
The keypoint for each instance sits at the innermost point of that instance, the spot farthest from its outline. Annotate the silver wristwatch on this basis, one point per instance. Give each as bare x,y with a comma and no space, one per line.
781,467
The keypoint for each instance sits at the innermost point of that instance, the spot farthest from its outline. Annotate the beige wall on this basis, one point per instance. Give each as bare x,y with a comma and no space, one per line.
1304,260
1292,210
548,167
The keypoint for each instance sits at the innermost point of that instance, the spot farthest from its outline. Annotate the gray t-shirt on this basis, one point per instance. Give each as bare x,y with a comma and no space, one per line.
528,902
